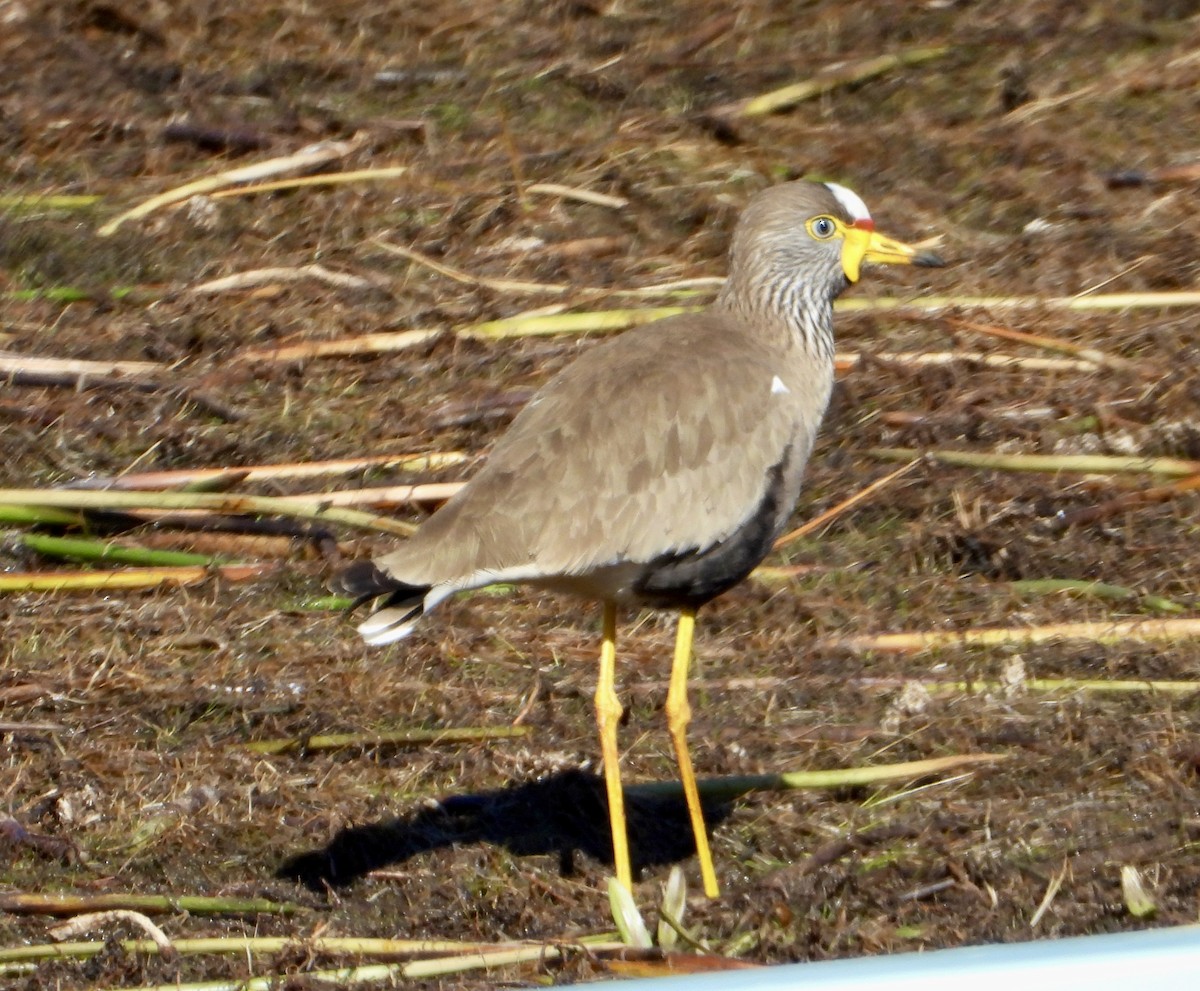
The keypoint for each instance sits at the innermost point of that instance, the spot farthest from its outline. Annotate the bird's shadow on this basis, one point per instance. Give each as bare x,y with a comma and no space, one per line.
564,814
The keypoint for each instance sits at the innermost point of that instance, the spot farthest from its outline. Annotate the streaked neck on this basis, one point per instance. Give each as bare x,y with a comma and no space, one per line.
787,311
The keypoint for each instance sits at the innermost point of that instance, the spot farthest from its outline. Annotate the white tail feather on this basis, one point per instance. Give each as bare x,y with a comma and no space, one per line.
389,625
392,623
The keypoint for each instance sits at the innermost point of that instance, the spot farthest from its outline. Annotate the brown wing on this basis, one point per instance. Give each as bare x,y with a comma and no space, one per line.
659,441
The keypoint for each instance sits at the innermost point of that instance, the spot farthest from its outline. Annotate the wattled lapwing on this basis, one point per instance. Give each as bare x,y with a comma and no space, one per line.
659,467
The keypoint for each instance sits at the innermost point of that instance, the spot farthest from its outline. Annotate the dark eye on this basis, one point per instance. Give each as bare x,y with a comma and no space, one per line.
823,227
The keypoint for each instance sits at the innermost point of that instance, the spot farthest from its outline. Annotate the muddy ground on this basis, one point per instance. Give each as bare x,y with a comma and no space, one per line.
124,716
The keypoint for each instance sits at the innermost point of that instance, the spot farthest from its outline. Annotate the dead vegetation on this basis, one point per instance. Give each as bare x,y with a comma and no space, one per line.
154,743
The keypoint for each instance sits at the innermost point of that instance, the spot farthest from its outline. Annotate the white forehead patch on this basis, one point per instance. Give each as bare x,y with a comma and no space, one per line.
777,386
851,202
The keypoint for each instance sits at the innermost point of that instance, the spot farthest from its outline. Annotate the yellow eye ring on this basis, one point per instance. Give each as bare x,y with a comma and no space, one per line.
822,228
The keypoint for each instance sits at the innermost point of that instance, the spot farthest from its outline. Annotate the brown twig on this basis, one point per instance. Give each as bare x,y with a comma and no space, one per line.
835,850
1153,177
1066,519
845,505
91,920
1041,341
13,833
380,343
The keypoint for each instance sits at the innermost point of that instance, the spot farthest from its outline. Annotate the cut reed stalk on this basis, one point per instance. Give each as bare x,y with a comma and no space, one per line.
568,323
76,549
1093,589
324,179
921,359
18,365
128,578
319,946
33,515
401,738
309,158
1085,463
580,195
229,503
1146,630
255,278
732,787
837,76
1097,302
33,202
380,498
262,473
26,903
1097,685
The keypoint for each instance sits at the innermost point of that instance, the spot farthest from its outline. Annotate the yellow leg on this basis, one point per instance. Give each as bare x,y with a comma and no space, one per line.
608,715
679,714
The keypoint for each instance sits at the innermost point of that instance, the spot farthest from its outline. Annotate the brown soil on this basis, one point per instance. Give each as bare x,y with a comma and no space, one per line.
1001,146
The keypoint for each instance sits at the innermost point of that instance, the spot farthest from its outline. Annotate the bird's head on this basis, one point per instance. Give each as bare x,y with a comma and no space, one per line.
811,239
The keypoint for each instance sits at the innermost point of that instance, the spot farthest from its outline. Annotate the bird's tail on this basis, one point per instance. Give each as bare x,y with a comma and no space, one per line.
398,605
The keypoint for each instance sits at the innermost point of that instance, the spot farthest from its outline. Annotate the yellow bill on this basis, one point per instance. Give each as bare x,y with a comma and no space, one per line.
862,242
